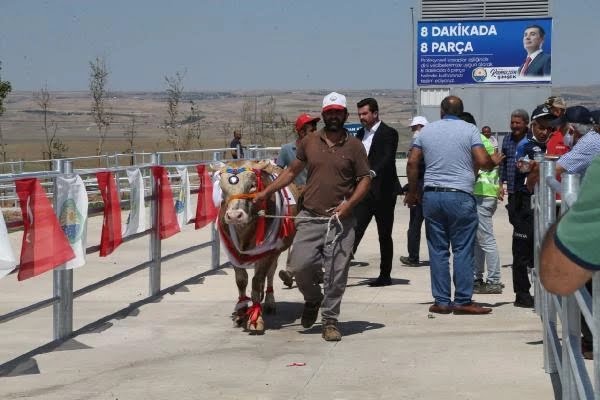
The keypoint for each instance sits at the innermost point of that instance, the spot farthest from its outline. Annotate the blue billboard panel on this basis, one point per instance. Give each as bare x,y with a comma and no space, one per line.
352,128
482,52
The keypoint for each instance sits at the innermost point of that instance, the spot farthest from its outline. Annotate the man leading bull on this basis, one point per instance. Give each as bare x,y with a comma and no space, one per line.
338,178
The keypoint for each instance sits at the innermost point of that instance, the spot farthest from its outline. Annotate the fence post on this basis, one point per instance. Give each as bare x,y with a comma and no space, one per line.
596,331
570,312
216,246
155,250
62,278
546,201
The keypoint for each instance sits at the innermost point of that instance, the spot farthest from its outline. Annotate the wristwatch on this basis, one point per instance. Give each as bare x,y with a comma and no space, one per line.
372,174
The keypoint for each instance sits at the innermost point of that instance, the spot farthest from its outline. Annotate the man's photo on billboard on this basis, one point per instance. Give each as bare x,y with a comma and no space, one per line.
536,62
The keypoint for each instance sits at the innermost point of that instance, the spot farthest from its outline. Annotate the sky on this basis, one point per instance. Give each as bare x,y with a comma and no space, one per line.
245,44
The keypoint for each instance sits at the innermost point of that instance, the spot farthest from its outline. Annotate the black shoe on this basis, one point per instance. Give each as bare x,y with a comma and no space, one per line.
381,281
411,262
524,300
331,333
286,277
310,313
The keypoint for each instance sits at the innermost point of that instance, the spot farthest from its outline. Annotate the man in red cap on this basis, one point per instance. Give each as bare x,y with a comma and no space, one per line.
305,124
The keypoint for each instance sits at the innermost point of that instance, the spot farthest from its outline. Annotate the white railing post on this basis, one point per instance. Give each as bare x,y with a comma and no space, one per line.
216,246
62,278
546,200
155,245
596,332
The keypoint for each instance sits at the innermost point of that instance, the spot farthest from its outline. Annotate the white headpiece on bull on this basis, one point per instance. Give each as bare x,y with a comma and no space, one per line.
253,235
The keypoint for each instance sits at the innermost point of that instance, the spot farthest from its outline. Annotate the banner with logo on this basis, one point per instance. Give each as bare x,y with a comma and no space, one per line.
8,262
484,52
183,206
136,220
72,212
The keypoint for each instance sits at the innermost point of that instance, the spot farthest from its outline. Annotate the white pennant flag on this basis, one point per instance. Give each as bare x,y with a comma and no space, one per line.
72,213
183,206
7,257
136,221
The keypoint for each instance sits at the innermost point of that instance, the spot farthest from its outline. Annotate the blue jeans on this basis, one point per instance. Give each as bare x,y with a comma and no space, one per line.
450,220
486,250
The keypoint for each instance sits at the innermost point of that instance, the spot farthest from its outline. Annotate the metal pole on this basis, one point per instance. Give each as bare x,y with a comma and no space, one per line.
62,278
155,250
546,200
216,246
570,313
596,332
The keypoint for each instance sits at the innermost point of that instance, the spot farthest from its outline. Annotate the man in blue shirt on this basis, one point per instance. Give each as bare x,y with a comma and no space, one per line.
452,150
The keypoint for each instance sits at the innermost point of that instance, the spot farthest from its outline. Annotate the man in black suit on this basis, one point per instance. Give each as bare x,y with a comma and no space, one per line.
537,62
381,143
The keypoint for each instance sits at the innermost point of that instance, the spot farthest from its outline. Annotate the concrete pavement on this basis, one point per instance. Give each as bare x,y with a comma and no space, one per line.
183,345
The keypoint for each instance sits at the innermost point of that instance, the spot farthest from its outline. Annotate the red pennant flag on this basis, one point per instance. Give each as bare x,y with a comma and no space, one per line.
206,212
167,217
45,245
111,236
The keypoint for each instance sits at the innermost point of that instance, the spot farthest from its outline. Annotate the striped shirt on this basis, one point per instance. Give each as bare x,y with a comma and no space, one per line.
582,154
508,167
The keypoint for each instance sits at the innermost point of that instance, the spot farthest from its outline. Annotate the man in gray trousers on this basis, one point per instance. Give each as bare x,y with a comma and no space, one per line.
338,178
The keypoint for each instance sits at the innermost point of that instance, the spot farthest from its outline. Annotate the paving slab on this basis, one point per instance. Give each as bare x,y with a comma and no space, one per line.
184,345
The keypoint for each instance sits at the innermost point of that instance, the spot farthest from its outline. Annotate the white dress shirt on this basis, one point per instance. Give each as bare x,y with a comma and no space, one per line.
368,138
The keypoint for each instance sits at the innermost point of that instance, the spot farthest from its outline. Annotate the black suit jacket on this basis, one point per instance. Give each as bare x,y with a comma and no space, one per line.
382,158
539,66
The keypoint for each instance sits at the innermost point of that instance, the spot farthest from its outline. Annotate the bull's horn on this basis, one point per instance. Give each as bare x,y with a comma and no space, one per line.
216,166
262,164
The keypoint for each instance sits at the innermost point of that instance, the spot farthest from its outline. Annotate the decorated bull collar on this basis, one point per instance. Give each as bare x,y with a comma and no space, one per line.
234,179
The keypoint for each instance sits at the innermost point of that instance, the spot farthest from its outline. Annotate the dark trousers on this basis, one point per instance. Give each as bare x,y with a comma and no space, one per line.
520,216
413,234
383,211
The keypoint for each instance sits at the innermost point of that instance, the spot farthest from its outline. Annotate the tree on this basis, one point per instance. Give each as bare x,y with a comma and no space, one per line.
268,115
226,130
130,135
248,116
54,146
172,124
5,89
193,130
102,116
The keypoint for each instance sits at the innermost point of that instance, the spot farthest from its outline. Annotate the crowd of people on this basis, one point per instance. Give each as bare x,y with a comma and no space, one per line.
354,178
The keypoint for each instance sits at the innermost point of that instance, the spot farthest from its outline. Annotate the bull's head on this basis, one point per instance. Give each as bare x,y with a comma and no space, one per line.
239,182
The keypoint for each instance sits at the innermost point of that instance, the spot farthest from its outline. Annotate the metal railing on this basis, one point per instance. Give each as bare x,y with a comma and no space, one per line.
561,315
63,293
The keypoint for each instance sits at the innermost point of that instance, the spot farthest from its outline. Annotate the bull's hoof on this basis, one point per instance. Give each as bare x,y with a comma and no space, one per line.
269,308
256,329
240,317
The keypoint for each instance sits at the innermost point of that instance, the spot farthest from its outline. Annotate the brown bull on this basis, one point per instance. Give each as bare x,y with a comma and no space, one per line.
251,236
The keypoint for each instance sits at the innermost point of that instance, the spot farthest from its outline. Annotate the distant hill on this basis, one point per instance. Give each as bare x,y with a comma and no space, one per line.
264,117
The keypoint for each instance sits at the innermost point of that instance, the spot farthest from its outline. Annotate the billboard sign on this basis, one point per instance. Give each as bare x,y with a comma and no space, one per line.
484,51
352,128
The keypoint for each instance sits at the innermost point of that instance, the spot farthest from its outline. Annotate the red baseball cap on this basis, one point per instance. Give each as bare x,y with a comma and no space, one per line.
304,119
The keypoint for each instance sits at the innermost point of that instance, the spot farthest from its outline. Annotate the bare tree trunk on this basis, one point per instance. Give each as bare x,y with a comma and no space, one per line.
2,144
